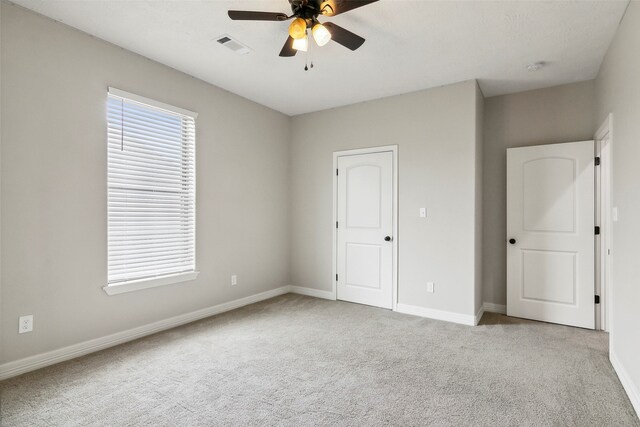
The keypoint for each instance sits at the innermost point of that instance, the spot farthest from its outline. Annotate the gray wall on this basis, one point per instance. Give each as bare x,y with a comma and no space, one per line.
1,335
479,256
558,114
54,82
618,92
436,134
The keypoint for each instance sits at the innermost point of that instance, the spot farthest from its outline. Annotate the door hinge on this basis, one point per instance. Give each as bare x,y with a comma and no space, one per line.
336,172
597,299
597,230
336,277
597,161
336,224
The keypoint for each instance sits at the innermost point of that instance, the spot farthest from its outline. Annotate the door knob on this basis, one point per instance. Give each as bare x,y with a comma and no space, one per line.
387,239
512,241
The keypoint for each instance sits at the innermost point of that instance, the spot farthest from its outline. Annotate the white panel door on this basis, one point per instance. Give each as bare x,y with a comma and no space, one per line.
365,224
550,232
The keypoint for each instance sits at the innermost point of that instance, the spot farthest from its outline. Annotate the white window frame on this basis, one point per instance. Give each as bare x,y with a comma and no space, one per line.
146,283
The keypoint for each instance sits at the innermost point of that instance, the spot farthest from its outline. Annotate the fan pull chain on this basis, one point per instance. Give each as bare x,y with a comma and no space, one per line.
308,65
306,60
306,57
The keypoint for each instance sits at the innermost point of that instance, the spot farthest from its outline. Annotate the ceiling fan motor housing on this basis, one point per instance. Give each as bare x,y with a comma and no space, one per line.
307,10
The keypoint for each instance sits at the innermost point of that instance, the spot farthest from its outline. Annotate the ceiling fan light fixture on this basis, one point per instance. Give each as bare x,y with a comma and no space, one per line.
298,28
301,44
320,34
305,23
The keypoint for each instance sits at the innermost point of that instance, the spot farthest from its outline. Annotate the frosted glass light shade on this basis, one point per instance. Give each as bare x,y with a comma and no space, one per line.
321,35
301,44
298,28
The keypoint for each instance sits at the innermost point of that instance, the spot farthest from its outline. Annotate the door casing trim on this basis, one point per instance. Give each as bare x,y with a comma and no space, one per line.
603,208
382,149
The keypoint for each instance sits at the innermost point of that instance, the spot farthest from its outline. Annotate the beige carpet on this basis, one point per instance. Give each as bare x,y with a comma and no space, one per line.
295,360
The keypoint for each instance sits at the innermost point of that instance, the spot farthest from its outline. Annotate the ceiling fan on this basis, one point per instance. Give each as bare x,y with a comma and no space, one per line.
305,14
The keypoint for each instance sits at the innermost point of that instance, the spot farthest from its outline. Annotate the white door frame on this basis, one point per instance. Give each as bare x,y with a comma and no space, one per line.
603,216
394,242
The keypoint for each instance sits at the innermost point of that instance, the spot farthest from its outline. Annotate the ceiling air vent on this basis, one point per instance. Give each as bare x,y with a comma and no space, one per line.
233,44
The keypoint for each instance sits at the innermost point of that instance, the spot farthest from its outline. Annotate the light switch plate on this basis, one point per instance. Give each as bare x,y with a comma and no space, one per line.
234,280
430,287
423,212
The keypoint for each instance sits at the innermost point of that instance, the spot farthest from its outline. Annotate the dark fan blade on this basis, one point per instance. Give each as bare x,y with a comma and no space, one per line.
246,15
336,7
345,37
287,49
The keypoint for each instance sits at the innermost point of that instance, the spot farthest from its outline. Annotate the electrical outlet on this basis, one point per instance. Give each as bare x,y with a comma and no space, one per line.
25,324
430,287
234,280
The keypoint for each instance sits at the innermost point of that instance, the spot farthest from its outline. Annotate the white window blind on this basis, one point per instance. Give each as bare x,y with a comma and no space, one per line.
151,189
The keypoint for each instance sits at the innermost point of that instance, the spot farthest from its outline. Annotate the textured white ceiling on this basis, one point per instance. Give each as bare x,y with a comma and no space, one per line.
411,45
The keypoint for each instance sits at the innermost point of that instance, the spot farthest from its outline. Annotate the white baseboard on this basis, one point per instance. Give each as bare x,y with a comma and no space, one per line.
495,308
632,389
479,315
463,319
312,292
31,363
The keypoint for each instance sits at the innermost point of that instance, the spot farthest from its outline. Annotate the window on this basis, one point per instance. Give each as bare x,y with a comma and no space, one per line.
151,193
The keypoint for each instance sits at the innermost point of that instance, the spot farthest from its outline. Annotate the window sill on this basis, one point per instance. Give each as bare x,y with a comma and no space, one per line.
137,285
